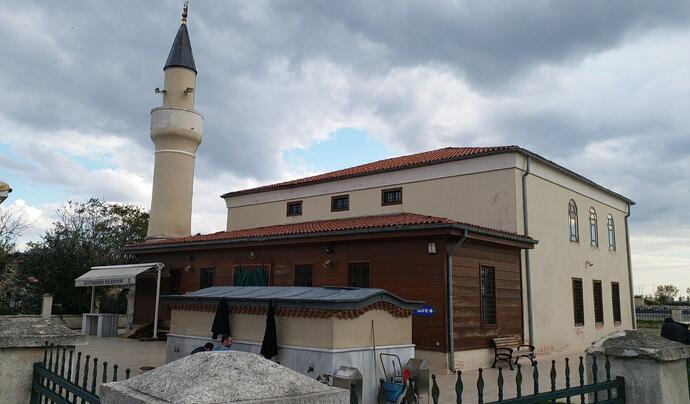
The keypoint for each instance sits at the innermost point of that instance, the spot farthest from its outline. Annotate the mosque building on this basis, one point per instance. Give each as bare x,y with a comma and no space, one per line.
497,241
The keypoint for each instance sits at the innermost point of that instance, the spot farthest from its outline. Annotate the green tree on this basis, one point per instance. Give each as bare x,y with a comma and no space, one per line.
85,234
666,293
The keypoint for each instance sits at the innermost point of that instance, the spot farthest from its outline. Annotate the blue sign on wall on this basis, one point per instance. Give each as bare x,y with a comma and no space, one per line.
425,311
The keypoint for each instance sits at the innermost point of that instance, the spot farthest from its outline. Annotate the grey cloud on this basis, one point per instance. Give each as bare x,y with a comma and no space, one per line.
93,66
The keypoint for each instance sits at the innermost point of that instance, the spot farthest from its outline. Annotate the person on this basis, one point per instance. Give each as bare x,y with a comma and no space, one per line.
206,347
675,331
225,343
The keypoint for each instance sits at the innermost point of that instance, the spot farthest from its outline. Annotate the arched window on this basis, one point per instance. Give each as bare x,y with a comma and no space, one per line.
612,233
572,214
593,230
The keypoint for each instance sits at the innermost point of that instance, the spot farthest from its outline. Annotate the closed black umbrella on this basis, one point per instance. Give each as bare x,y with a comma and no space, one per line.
269,346
221,322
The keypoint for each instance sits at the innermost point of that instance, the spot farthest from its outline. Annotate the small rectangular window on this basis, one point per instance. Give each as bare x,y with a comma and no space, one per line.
578,302
304,275
340,203
598,302
488,295
175,281
391,196
294,208
359,275
616,301
206,278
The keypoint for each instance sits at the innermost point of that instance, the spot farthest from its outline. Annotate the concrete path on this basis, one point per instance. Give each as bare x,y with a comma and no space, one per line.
446,382
133,354
126,353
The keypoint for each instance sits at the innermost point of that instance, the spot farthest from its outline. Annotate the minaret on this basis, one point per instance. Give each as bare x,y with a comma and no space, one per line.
176,131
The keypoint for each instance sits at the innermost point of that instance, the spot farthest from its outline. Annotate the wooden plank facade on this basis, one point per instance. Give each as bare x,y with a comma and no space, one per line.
400,264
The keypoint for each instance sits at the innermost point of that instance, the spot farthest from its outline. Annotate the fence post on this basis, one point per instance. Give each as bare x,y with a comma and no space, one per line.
458,388
435,392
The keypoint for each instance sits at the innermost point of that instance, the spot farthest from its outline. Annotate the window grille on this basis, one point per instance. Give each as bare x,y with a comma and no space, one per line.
391,196
359,275
488,295
616,301
598,303
294,208
175,281
304,275
578,302
206,278
340,203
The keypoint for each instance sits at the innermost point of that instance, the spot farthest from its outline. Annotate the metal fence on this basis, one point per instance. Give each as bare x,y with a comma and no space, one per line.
611,390
63,378
658,314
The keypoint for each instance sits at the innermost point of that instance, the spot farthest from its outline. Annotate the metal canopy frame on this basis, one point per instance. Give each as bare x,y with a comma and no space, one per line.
118,275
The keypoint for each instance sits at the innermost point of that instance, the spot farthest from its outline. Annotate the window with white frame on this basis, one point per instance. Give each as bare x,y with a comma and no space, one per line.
593,228
612,232
572,221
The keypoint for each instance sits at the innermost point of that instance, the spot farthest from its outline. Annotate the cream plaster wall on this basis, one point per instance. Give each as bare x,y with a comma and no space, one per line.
177,79
556,260
356,332
16,370
485,198
307,332
487,191
328,333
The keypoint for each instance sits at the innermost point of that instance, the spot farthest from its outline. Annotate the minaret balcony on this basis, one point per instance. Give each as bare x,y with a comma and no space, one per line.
176,128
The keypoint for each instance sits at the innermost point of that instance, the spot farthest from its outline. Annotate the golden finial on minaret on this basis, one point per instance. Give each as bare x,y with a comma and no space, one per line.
184,11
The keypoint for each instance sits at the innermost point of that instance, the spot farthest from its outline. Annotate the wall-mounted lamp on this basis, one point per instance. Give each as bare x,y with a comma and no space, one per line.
188,90
188,268
159,91
328,249
588,264
327,264
189,257
253,254
431,247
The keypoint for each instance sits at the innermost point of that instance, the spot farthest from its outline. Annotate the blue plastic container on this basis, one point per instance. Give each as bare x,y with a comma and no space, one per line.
393,390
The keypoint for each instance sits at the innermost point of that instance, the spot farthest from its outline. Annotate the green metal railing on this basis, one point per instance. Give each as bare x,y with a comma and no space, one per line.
57,378
609,391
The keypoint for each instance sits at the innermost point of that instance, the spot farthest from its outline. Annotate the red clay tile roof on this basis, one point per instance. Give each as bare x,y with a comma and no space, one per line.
392,221
391,164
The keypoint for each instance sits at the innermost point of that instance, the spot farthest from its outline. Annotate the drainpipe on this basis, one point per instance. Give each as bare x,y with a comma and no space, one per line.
158,297
528,277
630,276
449,308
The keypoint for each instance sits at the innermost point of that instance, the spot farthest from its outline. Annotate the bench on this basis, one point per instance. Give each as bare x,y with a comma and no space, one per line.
509,349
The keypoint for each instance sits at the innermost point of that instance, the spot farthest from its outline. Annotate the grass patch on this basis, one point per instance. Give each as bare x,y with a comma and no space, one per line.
649,324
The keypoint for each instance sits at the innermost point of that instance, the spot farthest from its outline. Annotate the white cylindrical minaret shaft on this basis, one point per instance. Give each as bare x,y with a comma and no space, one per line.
176,132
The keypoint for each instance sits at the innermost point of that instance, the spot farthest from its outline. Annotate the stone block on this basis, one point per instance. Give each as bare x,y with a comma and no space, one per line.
654,368
222,377
21,344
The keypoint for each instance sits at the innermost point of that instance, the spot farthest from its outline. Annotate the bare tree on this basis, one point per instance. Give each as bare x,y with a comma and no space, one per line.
13,222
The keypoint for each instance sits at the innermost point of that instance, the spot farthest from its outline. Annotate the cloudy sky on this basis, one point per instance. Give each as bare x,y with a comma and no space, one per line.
293,88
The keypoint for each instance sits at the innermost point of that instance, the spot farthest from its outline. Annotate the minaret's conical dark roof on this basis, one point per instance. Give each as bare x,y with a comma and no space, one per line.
181,52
